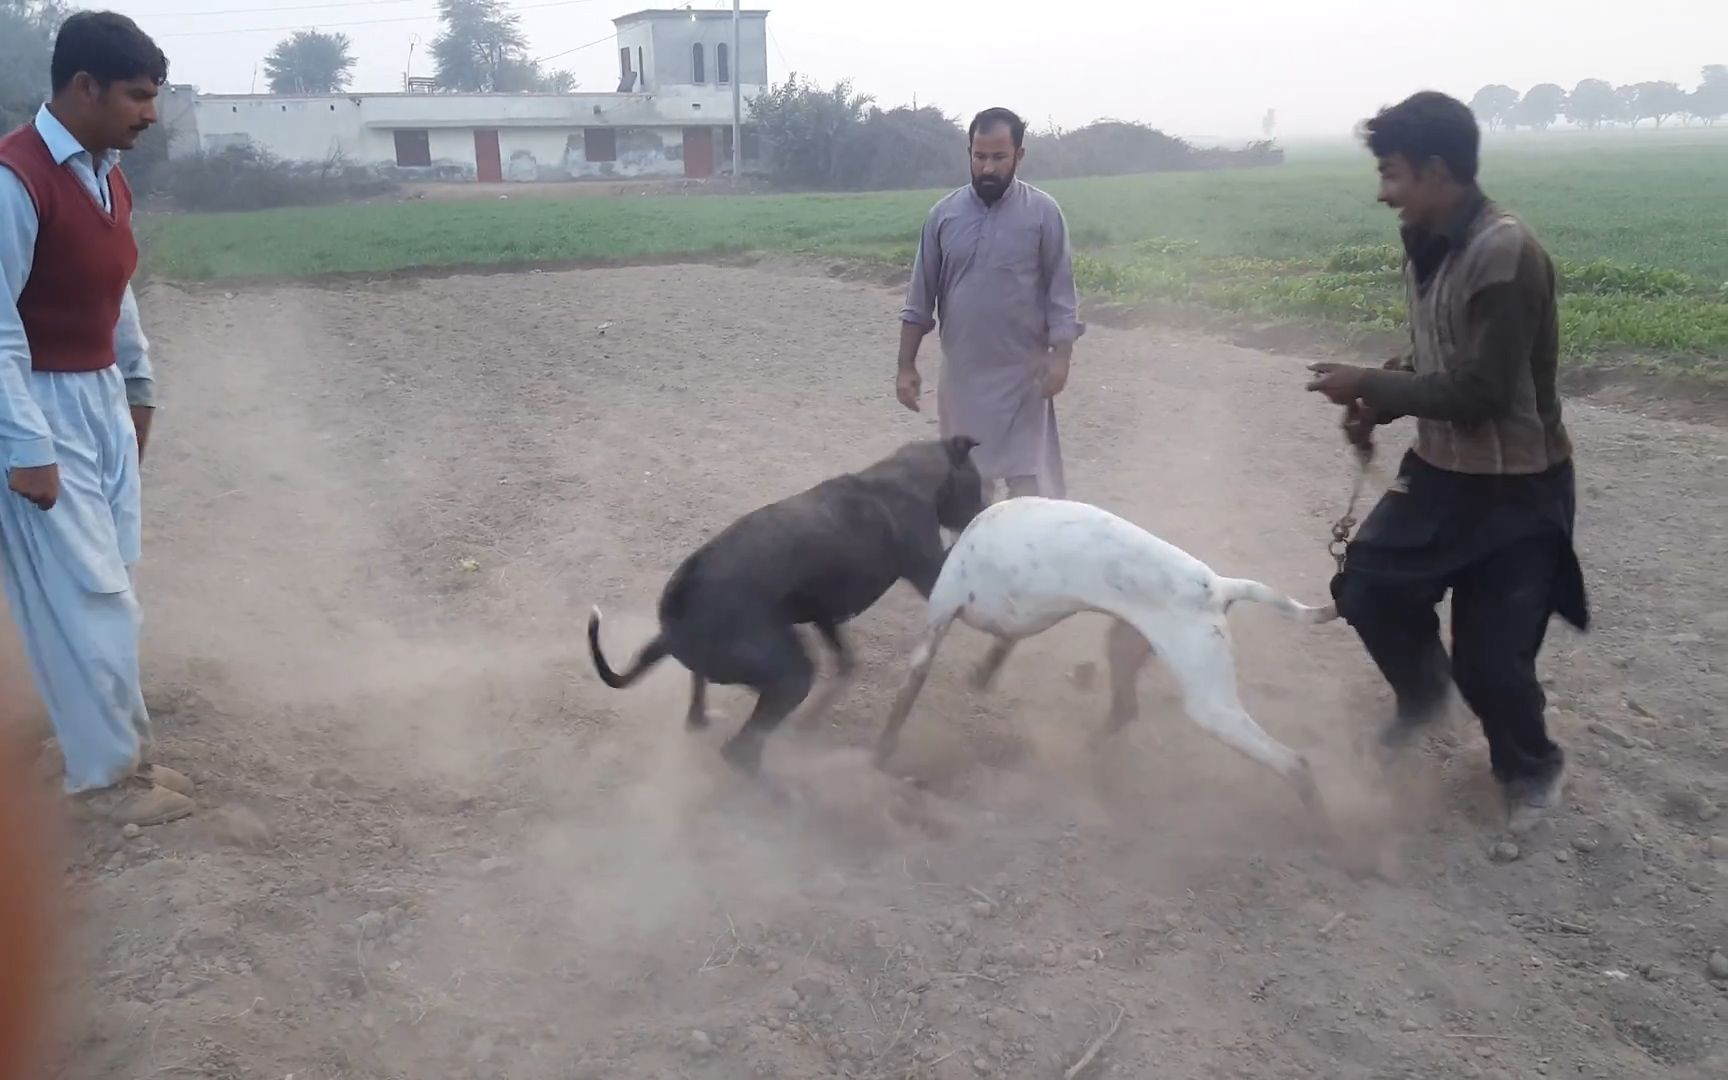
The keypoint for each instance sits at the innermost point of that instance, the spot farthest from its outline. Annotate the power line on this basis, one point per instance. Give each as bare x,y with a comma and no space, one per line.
577,49
357,22
147,16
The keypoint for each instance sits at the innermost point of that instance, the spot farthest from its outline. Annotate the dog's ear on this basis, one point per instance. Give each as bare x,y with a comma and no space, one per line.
959,449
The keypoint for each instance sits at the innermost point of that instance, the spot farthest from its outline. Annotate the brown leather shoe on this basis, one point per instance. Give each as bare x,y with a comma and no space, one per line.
133,801
172,779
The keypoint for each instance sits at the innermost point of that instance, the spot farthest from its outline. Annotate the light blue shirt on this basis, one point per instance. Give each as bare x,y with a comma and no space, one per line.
25,441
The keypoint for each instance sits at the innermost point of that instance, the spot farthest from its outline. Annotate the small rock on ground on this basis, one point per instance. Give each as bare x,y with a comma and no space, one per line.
1718,966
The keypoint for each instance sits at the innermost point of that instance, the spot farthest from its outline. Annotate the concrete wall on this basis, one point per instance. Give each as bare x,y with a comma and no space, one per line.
540,136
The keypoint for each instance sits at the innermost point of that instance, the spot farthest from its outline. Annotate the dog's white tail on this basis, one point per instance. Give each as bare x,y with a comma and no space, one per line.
1234,589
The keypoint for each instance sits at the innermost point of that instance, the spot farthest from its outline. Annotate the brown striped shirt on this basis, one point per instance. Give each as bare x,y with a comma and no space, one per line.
1485,346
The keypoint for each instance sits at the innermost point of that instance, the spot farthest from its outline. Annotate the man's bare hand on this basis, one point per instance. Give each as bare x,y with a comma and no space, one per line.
1055,373
141,415
41,485
1341,383
908,384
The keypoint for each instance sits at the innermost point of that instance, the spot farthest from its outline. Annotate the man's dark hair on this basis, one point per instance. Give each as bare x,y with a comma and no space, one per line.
1425,126
991,118
108,46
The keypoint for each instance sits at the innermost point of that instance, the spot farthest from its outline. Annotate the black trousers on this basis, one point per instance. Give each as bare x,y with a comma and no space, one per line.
1501,604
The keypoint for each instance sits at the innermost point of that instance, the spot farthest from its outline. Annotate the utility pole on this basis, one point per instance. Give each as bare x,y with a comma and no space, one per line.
737,74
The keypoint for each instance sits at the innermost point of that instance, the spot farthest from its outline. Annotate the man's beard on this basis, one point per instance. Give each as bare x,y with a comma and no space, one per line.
993,187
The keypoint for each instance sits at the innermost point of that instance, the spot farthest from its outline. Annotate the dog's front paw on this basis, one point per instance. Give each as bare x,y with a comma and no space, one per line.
702,719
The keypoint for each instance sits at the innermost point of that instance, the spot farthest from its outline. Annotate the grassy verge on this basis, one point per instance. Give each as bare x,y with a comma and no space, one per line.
1637,228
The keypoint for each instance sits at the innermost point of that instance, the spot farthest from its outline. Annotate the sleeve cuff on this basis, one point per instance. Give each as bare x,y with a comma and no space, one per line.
1067,335
30,453
918,319
141,393
1383,391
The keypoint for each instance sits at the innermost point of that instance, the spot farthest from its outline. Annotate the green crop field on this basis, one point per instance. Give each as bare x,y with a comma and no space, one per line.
1638,223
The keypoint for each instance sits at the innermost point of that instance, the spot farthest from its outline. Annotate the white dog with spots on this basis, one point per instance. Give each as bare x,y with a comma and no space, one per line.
1026,564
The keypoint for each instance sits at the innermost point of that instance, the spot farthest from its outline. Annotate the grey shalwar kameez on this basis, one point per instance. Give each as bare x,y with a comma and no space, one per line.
1001,278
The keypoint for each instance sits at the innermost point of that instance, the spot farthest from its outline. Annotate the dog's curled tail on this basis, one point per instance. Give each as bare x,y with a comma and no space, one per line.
1234,589
651,654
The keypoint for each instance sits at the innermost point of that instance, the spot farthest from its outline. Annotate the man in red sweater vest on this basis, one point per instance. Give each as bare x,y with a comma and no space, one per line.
76,395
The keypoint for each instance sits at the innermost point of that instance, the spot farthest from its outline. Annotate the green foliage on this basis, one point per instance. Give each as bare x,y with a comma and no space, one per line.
483,49
1360,258
310,62
1540,108
27,29
1493,105
806,128
1593,103
1709,102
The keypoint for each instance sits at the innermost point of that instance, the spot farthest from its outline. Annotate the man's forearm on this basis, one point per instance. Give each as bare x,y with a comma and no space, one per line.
911,336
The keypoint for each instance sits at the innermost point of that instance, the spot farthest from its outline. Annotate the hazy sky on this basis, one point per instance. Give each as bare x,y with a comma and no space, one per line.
1207,68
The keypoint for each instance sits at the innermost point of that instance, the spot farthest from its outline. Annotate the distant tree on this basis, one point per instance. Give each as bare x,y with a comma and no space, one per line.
27,29
1540,108
1657,101
1709,102
1593,103
558,82
482,48
310,62
805,126
1628,96
901,148
1493,104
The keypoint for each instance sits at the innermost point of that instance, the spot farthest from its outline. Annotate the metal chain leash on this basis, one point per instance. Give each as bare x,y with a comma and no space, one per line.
1346,525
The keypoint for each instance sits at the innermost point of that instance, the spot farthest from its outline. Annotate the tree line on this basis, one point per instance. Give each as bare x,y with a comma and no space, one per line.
481,49
835,138
1596,103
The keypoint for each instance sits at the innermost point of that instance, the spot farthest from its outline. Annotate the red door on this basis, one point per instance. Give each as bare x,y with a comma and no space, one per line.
487,165
698,152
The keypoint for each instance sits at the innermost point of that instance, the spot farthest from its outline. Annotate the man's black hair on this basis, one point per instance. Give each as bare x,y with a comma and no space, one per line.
1425,126
991,118
108,46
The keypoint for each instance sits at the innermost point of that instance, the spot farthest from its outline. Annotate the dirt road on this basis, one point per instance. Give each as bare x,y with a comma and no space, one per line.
435,846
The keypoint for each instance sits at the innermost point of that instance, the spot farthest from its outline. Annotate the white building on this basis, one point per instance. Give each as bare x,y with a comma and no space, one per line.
670,116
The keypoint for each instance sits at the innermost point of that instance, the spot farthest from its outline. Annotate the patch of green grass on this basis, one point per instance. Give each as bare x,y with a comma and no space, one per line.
1635,224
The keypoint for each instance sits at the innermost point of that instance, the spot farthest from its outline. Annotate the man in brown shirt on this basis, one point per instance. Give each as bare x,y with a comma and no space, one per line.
1483,505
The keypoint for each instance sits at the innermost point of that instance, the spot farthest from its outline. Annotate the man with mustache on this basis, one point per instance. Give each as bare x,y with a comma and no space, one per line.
994,263
76,396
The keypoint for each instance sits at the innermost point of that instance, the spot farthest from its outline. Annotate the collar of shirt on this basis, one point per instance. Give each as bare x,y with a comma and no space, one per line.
1427,249
63,147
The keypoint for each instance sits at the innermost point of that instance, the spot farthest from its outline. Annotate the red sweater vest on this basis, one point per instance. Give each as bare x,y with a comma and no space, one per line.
84,258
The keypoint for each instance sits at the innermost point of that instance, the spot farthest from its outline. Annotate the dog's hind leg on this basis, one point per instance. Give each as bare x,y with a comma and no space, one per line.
1199,655
697,718
783,679
922,657
984,675
845,666
1126,650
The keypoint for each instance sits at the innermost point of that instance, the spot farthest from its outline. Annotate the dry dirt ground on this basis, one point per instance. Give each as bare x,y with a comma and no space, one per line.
433,845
